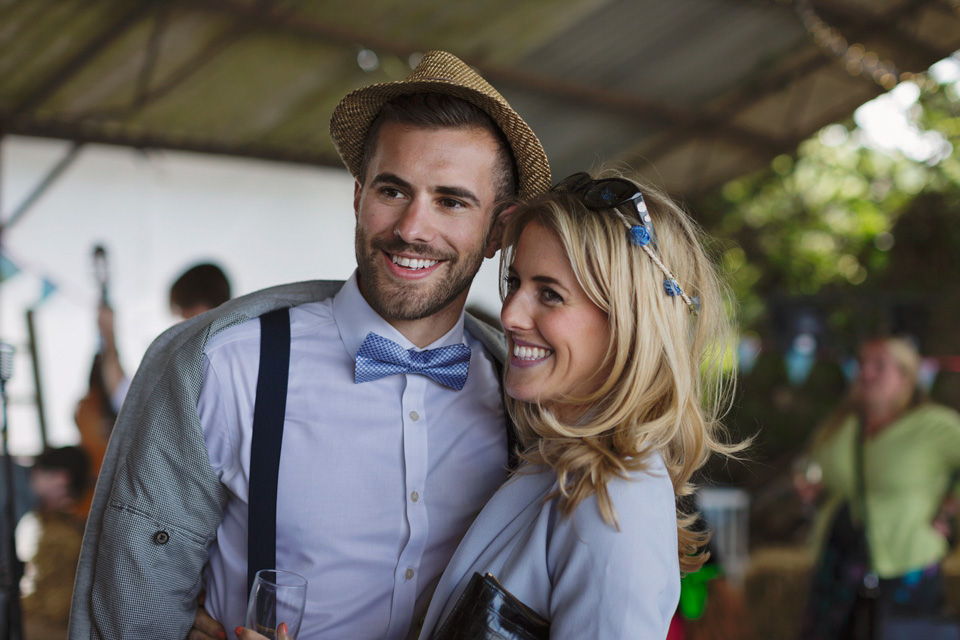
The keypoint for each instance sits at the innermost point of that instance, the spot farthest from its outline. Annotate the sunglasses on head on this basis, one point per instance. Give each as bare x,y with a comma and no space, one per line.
610,193
606,193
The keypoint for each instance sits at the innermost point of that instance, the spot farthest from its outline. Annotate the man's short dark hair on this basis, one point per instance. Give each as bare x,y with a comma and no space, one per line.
73,460
442,111
205,284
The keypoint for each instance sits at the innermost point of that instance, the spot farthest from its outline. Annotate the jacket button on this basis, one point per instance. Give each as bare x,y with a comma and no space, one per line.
161,537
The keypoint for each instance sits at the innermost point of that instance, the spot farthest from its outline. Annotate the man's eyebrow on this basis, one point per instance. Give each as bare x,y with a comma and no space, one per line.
390,178
456,192
459,192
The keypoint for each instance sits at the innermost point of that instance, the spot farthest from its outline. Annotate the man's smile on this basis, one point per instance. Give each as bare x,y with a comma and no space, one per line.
411,268
412,263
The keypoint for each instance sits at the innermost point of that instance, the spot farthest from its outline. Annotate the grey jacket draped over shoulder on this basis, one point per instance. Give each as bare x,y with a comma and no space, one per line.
158,502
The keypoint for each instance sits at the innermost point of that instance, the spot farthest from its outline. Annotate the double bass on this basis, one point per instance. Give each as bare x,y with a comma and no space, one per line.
94,415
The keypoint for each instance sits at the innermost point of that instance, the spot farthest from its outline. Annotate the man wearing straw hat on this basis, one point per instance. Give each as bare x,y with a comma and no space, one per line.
348,432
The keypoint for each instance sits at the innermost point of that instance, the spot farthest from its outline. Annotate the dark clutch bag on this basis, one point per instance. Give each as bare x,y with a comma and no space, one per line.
487,611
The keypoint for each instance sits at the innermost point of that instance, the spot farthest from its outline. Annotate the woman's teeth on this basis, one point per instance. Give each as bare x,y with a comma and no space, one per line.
412,263
530,353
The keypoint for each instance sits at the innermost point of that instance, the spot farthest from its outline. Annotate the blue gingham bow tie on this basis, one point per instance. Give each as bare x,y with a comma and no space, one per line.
379,358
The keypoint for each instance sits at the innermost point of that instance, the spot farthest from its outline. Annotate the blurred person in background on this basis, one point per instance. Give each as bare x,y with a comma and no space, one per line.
200,288
886,461
49,488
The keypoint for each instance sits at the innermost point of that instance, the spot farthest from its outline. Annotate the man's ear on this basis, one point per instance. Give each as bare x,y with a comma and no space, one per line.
496,234
357,188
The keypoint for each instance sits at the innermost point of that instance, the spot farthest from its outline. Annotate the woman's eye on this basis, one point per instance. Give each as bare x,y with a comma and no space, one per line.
512,283
551,296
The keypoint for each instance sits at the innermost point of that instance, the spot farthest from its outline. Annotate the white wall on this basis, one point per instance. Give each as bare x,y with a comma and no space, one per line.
157,214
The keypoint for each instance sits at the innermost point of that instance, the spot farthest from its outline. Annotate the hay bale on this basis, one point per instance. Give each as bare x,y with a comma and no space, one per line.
775,588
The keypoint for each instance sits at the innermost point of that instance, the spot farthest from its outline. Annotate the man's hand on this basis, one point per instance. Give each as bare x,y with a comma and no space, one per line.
105,323
248,634
204,626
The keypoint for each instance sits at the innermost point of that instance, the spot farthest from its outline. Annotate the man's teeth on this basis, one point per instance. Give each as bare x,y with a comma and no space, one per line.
412,263
530,353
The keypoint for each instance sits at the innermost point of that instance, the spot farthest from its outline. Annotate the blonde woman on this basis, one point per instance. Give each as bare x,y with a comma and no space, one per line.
617,329
888,458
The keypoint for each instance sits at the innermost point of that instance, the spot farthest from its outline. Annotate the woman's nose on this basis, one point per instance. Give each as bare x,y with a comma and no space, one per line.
514,315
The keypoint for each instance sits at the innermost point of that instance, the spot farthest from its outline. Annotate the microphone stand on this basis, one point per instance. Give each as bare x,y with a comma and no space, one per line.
12,627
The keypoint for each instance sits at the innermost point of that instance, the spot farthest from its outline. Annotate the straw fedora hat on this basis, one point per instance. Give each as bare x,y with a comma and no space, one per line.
441,72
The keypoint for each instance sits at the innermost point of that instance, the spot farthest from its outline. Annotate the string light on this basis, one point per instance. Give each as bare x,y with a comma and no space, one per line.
855,57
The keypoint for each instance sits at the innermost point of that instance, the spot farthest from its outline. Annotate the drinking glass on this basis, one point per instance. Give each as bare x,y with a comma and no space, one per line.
276,597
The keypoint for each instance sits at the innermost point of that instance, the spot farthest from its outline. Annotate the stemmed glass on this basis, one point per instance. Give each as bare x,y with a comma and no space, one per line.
276,597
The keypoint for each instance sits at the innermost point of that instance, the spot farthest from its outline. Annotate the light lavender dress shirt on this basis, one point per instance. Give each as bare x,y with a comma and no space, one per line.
378,481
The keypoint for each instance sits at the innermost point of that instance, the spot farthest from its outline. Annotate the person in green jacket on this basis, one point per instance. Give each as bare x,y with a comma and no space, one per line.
888,458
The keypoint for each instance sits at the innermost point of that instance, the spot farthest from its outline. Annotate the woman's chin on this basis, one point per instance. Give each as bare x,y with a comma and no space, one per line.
522,392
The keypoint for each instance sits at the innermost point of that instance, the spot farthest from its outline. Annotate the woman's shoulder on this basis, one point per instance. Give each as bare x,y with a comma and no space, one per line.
643,541
930,419
937,412
651,481
642,500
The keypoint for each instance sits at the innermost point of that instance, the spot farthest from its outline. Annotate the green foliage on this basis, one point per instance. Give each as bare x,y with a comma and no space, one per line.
864,239
824,220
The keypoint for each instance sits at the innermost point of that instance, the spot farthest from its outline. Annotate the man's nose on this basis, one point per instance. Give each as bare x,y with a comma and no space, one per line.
416,222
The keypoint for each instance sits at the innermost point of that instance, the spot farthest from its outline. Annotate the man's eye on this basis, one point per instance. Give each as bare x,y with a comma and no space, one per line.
390,192
450,203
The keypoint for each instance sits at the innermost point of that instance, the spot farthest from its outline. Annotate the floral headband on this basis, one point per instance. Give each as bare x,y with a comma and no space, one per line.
610,193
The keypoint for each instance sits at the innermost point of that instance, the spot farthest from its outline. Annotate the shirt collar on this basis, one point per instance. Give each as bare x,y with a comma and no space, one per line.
355,318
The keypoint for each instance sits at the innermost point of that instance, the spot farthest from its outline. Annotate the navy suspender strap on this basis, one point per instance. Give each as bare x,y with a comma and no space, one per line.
268,413
513,439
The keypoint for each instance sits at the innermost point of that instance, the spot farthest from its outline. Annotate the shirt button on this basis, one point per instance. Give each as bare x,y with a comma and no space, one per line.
414,416
414,496
409,574
161,537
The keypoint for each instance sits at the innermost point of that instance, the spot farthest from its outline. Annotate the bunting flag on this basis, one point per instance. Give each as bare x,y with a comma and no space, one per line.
47,289
7,267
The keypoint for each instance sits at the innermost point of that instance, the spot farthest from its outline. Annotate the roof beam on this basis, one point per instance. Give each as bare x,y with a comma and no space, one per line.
230,35
618,102
42,187
84,133
78,61
762,87
844,18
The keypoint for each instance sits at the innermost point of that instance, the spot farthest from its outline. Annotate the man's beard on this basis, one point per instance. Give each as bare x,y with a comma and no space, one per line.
412,300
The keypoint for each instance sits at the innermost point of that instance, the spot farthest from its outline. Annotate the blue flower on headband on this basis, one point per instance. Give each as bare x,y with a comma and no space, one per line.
672,287
639,235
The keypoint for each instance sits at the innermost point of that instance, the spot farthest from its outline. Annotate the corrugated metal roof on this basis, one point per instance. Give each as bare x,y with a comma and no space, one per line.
691,91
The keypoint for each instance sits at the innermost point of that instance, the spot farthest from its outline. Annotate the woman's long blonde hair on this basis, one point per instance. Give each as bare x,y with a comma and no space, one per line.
671,370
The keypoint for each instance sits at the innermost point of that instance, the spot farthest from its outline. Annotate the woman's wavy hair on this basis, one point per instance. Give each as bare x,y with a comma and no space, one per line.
671,370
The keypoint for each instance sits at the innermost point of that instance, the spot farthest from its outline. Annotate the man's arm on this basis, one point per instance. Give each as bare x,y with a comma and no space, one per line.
157,506
110,368
158,501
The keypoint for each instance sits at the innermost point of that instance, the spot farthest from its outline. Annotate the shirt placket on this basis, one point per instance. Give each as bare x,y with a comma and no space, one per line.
407,574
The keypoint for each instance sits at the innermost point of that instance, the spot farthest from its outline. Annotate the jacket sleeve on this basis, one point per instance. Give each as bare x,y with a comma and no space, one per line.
158,502
156,508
